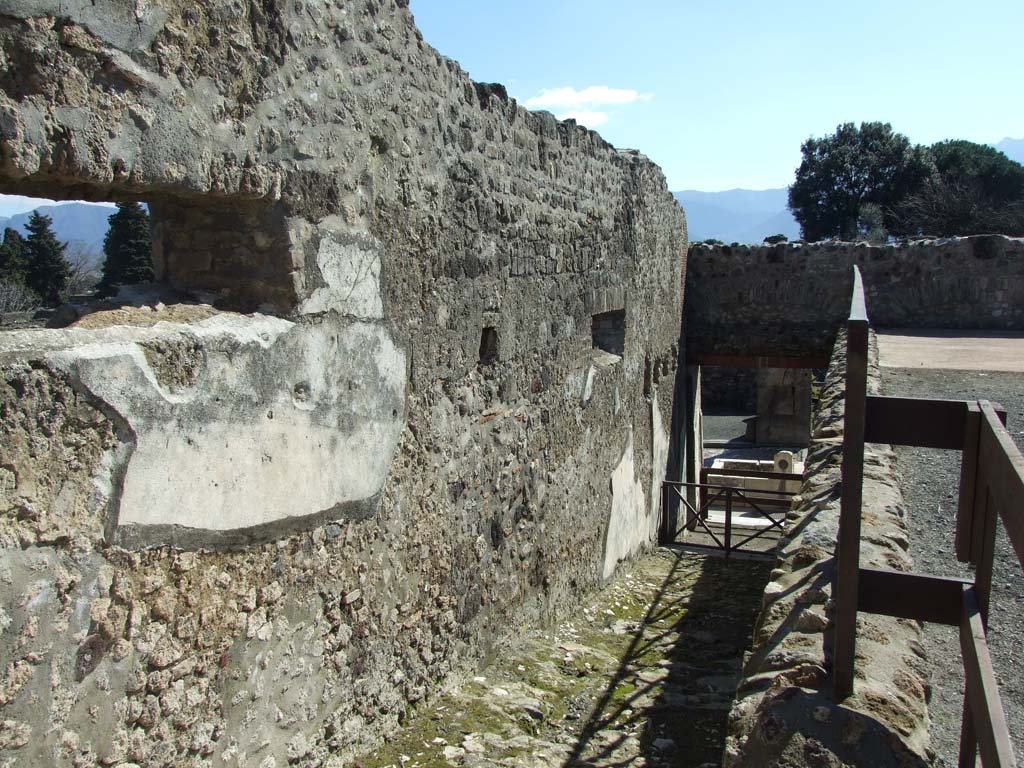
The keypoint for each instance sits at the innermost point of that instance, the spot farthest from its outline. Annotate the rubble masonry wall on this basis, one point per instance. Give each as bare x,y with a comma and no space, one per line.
256,538
789,298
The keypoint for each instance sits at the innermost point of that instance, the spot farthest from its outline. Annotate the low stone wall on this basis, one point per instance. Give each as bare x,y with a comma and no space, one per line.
790,297
784,713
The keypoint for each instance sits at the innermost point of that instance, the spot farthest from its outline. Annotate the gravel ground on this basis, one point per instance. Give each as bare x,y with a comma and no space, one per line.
930,482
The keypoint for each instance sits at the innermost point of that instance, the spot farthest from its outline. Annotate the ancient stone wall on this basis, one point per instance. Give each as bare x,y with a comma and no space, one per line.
256,539
784,713
728,389
790,298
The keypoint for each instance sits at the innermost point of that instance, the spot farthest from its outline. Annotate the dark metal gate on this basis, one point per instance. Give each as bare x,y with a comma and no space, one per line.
770,506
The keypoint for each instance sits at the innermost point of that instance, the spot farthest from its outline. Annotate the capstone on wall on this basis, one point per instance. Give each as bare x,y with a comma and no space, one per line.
789,298
253,528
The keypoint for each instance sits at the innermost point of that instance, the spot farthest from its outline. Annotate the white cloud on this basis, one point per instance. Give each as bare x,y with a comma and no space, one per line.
592,96
589,119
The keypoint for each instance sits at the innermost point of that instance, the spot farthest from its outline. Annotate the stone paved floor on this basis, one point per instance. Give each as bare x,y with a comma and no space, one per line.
644,675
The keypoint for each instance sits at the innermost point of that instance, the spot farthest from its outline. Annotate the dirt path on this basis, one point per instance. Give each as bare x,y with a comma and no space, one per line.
952,350
644,675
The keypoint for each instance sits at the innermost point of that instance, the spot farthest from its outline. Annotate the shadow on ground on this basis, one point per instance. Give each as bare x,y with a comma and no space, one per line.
680,669
643,675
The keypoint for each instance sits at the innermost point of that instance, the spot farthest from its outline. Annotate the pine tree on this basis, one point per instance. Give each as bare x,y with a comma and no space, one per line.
128,249
12,257
46,271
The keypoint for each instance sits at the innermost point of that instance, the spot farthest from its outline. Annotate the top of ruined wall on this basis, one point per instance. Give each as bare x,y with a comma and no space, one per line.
791,297
321,160
317,116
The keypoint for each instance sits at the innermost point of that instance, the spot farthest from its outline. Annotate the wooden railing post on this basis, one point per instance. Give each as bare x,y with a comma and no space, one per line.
848,547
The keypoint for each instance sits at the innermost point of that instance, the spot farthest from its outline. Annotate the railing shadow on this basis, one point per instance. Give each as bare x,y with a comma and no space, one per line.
681,677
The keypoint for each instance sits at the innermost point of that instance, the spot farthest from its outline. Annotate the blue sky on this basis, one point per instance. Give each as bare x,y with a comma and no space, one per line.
721,93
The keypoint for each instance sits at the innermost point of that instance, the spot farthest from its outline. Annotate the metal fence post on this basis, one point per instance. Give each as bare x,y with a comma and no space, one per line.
728,521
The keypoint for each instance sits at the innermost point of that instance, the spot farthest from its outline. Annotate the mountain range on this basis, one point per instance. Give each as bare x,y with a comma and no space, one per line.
85,223
749,216
1012,148
738,215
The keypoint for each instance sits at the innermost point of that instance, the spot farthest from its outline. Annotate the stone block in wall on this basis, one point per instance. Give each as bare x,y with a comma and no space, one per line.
605,299
783,406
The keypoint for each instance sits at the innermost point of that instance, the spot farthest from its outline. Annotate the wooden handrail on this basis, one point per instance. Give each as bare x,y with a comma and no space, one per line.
991,488
848,549
1001,471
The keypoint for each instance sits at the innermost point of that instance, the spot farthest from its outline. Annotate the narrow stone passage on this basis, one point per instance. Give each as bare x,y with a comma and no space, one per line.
644,675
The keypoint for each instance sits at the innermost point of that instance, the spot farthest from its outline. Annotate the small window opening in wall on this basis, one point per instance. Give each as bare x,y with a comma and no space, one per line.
608,331
488,345
68,252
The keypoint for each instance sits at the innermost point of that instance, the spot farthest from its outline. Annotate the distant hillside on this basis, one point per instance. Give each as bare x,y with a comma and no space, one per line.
85,222
1012,148
738,215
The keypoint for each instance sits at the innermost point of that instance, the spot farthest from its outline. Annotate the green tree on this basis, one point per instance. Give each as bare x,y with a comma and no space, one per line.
975,189
46,271
13,257
855,166
128,249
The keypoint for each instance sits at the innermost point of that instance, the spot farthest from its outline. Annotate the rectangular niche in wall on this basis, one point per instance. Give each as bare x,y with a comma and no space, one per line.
488,345
608,331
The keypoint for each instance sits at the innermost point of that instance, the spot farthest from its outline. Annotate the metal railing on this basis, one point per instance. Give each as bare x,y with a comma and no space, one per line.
991,488
712,476
727,499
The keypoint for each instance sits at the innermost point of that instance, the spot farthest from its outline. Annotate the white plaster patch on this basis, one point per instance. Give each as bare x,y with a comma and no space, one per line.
352,274
281,423
588,388
629,529
659,462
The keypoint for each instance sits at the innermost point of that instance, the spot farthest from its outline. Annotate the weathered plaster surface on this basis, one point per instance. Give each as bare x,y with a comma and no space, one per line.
660,470
266,401
629,529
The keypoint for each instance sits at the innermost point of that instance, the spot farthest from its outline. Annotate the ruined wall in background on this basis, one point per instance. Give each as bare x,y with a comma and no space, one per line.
790,298
784,712
728,388
253,539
